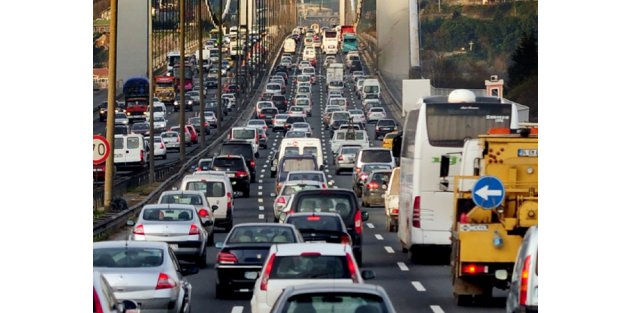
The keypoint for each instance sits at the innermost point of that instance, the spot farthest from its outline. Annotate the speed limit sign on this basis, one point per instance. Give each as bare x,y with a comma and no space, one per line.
100,149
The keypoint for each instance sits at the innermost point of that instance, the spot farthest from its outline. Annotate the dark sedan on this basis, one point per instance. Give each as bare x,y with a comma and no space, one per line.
320,227
243,253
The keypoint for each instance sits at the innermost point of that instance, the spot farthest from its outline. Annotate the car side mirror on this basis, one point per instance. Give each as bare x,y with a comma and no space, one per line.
208,223
189,270
367,274
130,222
364,216
215,207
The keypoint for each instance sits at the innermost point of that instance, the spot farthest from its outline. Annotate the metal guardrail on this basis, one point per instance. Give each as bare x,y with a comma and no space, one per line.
118,219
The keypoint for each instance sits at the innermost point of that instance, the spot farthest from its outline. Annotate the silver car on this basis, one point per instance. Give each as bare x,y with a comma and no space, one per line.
287,191
147,273
171,139
345,158
121,118
159,123
301,126
178,225
199,201
278,121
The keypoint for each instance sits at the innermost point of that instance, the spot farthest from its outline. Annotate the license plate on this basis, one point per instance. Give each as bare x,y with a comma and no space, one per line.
387,128
230,175
173,247
233,183
251,275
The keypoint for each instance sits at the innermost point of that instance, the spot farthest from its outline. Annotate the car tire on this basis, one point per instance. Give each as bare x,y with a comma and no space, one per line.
164,156
210,242
201,260
246,193
220,292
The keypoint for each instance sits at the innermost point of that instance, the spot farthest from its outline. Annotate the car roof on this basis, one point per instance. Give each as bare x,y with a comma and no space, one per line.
168,206
288,249
181,192
335,288
300,182
130,243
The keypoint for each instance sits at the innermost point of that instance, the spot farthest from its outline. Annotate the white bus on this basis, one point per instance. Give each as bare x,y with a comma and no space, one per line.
172,58
439,127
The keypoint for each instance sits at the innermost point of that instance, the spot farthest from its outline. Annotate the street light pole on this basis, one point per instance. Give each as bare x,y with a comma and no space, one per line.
218,110
202,88
151,88
111,103
182,64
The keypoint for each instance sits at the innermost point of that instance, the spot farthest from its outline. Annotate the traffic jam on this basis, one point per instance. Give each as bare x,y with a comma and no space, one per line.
296,211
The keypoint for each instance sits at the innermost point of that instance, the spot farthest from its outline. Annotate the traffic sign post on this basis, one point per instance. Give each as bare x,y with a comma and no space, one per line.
100,149
488,192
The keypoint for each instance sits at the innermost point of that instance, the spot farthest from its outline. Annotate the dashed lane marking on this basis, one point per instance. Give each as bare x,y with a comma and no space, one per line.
378,236
261,208
418,286
261,216
436,309
389,249
237,309
369,225
260,200
403,266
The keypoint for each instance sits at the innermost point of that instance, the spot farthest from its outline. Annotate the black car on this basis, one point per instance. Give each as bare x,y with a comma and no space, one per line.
280,102
244,252
356,66
102,109
268,114
320,226
120,129
383,127
188,103
243,148
141,128
236,169
212,82
341,201
293,119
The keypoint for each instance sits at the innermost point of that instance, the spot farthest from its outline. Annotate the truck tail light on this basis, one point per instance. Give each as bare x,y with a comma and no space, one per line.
267,272
522,299
416,212
473,269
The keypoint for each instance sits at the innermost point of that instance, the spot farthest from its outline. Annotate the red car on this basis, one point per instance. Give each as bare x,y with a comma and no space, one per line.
193,133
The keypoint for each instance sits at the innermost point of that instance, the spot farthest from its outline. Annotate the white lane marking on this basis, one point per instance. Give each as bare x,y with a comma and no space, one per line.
260,193
389,249
329,176
261,216
259,187
436,309
378,236
260,200
418,286
262,176
260,181
265,166
327,171
403,266
262,208
262,171
369,225
237,309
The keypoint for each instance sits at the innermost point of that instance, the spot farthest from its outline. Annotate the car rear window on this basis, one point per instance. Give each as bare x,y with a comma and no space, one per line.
371,156
167,214
118,143
291,151
338,101
238,149
182,199
210,188
349,136
385,123
310,151
118,257
133,142
289,165
289,190
350,150
309,267
261,234
231,164
315,223
335,203
335,302
243,134
381,178
306,176
293,119
269,111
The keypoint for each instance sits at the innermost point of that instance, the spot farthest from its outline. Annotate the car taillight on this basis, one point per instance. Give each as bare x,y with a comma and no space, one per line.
229,200
522,299
267,272
340,157
165,282
287,125
226,258
363,176
323,186
141,154
194,230
372,185
97,302
203,213
138,230
416,212
394,211
358,223
252,163
240,174
313,218
345,239
282,200
261,115
162,146
352,268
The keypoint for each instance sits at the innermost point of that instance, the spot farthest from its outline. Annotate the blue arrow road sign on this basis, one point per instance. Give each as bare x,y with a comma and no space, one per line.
488,192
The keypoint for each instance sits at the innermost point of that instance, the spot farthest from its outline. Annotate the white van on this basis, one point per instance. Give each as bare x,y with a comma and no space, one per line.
159,109
218,190
289,45
523,294
130,151
371,86
301,146
355,138
249,134
309,53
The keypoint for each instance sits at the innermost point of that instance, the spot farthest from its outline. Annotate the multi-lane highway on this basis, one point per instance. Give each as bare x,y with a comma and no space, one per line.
412,287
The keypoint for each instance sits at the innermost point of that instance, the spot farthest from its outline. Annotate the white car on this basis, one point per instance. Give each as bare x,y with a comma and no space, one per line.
297,111
375,114
357,116
260,124
274,88
301,126
159,123
159,148
304,263
211,118
121,118
170,139
287,191
262,105
303,64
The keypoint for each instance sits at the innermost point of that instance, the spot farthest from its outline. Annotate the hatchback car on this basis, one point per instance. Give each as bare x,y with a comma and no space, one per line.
199,201
278,122
345,157
360,179
375,114
384,126
289,189
171,139
304,263
145,272
178,225
242,254
374,188
236,169
301,126
121,118
159,148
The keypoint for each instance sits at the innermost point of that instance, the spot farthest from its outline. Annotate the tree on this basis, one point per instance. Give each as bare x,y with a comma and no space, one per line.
524,60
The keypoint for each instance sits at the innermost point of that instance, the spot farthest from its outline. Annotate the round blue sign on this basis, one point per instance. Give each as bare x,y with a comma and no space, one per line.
488,192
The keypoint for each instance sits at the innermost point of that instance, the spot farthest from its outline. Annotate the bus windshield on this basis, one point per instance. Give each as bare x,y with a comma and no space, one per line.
448,124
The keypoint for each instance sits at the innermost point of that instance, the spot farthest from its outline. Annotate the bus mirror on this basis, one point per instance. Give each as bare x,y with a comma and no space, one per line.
444,165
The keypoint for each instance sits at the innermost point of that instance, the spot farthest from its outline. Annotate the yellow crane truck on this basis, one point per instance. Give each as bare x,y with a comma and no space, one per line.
495,202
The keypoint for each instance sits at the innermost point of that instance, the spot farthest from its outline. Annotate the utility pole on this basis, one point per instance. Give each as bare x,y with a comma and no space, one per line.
111,103
182,64
151,88
202,88
219,112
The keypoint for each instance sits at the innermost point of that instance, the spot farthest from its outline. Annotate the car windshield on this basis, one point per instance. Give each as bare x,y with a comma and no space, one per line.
121,257
335,302
167,214
334,203
182,199
306,176
260,234
230,164
309,267
381,178
373,156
